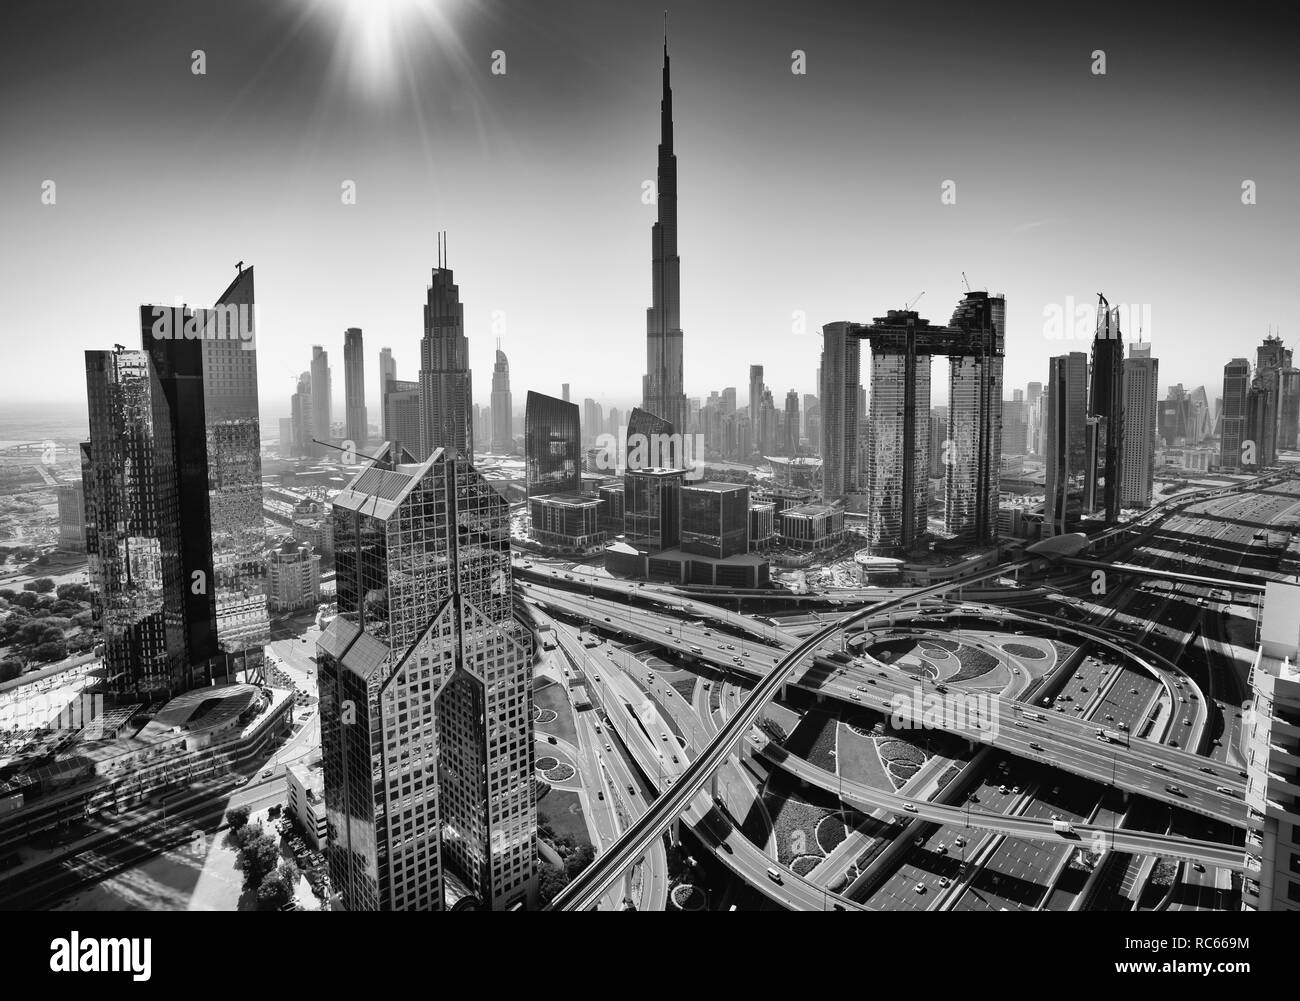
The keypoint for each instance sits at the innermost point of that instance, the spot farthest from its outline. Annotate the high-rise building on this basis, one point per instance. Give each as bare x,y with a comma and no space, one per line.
1271,747
387,370
210,388
791,423
652,508
838,389
662,392
755,393
565,394
322,400
446,389
938,440
1034,417
592,420
1015,424
715,519
1106,416
355,428
133,527
1065,441
302,415
650,441
294,572
552,446
1261,423
1236,385
974,458
1140,390
402,416
72,517
425,684
503,408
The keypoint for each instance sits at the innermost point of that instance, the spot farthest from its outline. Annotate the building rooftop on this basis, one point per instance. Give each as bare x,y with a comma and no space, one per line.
716,486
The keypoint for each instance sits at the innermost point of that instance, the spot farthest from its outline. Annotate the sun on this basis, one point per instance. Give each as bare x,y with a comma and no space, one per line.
375,40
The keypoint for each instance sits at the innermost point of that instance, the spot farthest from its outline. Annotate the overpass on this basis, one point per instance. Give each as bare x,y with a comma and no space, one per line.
1128,569
1064,742
1090,836
590,884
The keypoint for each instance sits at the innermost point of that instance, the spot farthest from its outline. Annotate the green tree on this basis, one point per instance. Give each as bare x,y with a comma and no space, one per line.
273,894
47,653
237,817
10,668
41,585
551,880
579,860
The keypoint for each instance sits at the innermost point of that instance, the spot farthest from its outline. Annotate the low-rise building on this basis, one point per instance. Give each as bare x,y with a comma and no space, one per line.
305,783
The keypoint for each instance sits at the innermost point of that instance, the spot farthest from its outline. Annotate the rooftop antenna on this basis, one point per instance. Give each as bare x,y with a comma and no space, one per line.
239,267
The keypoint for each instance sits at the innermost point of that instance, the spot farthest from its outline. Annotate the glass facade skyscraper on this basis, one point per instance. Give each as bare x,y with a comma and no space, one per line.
552,446
446,387
426,694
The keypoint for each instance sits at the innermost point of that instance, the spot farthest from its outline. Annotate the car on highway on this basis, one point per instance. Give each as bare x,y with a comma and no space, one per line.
600,794
774,875
1224,789
855,696
1036,746
1209,771
1174,790
631,789
609,747
910,807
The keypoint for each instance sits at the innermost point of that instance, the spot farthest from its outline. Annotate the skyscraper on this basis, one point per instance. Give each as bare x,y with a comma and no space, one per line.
1236,384
791,424
302,412
446,390
425,687
503,409
1065,441
1140,390
1106,415
552,446
662,392
355,427
755,394
210,385
133,518
974,459
387,370
402,415
840,379
322,400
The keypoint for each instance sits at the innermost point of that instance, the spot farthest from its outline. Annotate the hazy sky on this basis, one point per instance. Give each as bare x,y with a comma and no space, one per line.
817,193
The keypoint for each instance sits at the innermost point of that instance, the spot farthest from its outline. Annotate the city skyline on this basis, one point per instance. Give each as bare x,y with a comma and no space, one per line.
1047,234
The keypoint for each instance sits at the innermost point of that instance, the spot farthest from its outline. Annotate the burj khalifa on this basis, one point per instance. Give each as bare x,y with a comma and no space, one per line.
662,390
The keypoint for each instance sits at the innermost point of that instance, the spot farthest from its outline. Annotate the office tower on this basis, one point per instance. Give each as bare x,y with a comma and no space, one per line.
1236,384
651,441
322,401
1271,747
974,459
1202,420
737,436
133,525
1015,424
614,422
302,416
592,420
729,400
652,507
565,394
402,416
552,446
1106,413
1261,422
503,408
1288,413
662,390
286,436
755,393
387,371
1175,420
1034,415
355,427
767,419
1065,441
446,389
425,687
715,519
1140,390
212,394
898,436
792,423
840,378
1272,361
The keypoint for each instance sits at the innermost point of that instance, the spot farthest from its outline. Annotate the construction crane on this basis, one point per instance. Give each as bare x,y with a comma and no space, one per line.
966,281
914,301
